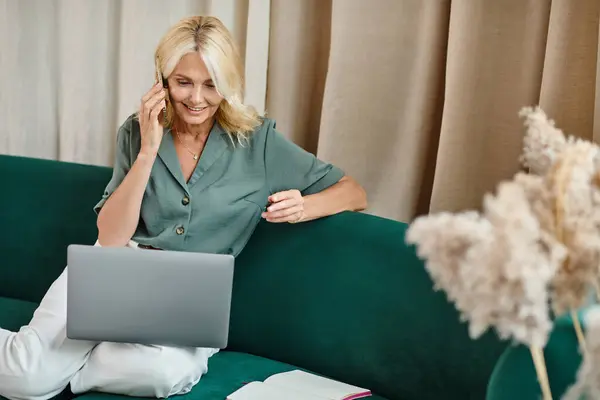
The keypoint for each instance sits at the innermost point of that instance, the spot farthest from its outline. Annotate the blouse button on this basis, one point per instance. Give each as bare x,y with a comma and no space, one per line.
185,201
180,230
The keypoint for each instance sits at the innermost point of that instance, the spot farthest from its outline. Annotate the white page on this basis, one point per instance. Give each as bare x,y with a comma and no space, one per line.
262,391
316,385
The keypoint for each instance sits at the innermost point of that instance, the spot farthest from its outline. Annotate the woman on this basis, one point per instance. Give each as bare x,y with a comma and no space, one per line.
195,170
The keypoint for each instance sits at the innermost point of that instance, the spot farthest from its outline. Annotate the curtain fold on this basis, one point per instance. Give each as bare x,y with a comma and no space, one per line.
28,78
568,89
86,88
418,100
494,65
299,52
382,97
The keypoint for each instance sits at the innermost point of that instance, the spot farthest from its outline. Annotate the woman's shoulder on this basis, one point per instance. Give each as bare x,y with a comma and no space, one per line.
129,130
263,130
128,134
131,125
267,123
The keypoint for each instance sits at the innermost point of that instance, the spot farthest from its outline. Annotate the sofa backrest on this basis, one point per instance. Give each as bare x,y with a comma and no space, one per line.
44,206
345,297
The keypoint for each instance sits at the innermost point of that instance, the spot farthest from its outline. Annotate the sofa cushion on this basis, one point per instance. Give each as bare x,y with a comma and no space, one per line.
227,371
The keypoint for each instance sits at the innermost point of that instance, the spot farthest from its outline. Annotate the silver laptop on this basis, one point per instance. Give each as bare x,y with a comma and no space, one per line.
152,297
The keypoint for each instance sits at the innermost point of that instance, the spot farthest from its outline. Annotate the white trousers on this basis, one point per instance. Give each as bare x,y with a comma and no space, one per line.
39,361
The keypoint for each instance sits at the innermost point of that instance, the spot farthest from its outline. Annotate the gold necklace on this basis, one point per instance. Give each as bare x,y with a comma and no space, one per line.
184,145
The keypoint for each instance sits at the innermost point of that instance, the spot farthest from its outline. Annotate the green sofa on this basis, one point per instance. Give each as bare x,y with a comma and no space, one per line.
342,296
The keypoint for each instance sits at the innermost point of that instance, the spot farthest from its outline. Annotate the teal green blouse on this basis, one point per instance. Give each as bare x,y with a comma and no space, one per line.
217,210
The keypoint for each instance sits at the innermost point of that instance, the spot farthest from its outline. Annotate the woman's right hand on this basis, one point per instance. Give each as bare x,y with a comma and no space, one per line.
151,129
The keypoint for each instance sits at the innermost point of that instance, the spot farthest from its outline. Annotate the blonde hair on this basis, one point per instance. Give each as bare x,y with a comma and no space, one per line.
208,36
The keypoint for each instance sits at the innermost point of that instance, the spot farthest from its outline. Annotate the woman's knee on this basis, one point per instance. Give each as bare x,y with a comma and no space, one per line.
179,370
164,381
143,371
31,368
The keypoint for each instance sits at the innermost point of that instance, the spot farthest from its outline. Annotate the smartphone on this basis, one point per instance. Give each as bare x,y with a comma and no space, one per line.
159,75
163,82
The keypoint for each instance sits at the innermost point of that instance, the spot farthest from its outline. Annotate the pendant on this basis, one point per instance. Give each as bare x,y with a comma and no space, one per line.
195,157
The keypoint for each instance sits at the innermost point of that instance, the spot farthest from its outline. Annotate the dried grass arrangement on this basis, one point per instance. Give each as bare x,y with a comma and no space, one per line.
532,253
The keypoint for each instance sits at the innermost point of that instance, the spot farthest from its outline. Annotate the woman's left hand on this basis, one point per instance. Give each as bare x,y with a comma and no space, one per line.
287,206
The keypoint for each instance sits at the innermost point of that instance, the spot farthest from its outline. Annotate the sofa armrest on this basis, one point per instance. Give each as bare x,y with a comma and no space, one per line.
514,376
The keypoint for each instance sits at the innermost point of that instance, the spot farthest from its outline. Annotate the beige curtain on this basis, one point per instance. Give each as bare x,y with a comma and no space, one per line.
72,70
417,99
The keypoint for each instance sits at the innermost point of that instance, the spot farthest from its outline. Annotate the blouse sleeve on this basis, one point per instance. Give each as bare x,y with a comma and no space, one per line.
288,166
122,163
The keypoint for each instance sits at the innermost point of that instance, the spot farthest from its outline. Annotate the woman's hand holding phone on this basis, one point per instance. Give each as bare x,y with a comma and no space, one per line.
151,129
120,215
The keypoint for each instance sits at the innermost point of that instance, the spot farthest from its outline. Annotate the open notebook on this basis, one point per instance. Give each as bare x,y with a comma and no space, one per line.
298,385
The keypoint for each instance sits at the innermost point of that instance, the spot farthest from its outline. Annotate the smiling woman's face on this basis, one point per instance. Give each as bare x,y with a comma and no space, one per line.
192,92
